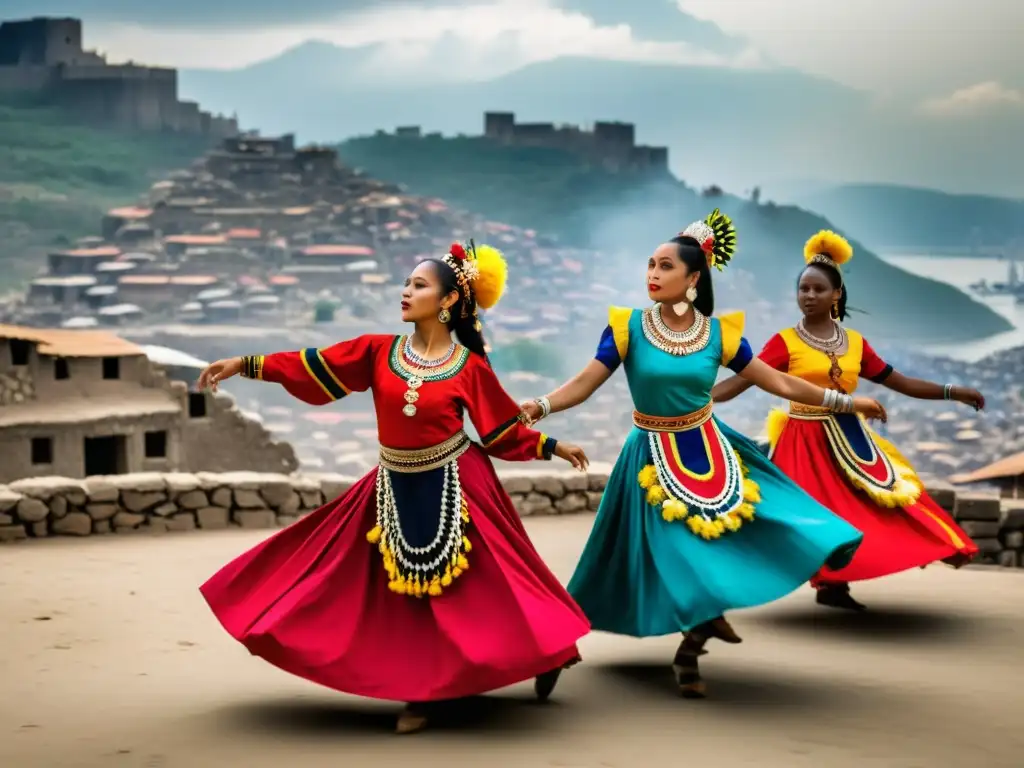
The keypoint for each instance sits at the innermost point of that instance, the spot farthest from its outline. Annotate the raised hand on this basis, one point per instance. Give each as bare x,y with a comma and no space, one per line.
573,454
870,408
531,412
971,397
216,372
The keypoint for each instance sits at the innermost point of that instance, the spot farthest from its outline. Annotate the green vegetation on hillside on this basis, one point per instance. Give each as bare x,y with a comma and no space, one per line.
557,194
58,177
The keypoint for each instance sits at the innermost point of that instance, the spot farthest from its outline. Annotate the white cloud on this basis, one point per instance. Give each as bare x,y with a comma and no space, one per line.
887,46
977,99
540,32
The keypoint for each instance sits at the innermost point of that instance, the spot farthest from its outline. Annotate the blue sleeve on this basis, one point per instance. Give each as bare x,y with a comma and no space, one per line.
742,357
607,353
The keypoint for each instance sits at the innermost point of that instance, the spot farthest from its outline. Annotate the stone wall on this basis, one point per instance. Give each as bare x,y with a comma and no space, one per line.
16,386
156,503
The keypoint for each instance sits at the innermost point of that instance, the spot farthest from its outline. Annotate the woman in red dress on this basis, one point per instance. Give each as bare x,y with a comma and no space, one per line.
837,458
419,584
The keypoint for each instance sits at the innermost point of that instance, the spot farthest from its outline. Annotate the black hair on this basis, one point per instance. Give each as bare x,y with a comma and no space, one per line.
464,328
835,280
693,256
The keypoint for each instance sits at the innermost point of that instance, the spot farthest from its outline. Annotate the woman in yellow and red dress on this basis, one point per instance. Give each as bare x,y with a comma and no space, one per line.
420,583
837,458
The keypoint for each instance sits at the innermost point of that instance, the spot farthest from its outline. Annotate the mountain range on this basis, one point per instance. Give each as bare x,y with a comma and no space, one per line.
888,216
734,126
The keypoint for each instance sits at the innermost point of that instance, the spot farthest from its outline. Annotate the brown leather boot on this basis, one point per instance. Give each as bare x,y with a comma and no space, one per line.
834,595
412,720
686,668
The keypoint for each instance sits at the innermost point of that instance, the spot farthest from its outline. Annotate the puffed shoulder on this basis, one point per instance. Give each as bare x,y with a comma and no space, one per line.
732,325
618,321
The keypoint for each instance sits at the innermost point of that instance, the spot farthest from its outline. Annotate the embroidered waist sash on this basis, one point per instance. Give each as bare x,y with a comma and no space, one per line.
861,459
422,517
695,475
672,423
424,459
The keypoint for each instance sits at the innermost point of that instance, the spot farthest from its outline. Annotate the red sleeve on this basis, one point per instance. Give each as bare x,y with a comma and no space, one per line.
496,418
873,367
775,353
321,376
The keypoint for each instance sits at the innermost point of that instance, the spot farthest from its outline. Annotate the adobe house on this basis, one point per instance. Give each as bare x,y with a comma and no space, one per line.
1007,474
79,403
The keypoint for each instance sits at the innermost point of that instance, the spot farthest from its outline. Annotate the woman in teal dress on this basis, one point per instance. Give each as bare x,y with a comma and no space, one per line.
695,520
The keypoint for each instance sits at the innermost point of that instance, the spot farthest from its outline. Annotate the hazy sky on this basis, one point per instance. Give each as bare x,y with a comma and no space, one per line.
930,48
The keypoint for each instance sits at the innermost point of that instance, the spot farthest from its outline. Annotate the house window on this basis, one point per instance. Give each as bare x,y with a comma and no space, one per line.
61,370
197,405
156,445
19,351
42,450
111,368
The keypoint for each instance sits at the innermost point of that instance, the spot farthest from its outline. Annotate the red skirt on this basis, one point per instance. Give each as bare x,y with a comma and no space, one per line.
895,539
313,600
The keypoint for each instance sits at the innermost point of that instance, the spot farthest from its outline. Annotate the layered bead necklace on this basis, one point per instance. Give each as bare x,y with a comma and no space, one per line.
679,343
419,367
830,347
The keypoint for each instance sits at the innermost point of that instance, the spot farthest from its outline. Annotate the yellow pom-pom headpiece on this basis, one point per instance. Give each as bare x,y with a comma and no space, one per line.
716,236
828,248
481,273
491,274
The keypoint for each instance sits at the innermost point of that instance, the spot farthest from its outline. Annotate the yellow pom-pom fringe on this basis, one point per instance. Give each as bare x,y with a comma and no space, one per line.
648,476
905,492
673,510
656,495
829,244
489,285
422,586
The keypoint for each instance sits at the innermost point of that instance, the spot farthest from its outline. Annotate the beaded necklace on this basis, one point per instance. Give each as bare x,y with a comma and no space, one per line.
416,369
678,343
830,347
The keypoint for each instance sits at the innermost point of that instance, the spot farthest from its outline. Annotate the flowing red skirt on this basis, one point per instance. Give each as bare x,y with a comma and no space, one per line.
313,600
895,539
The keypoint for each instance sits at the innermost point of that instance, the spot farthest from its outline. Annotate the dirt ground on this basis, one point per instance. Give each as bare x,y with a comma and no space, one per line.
110,658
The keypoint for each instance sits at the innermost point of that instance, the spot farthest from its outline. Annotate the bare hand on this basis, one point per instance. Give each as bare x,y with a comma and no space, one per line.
870,408
216,372
573,454
971,397
531,412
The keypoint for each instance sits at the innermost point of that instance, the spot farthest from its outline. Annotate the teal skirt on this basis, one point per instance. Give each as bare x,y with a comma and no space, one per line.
642,576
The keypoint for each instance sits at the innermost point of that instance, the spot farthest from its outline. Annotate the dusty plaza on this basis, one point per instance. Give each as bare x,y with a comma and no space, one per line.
112,659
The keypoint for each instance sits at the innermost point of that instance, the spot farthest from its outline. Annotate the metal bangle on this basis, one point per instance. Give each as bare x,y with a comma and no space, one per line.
947,392
828,399
545,406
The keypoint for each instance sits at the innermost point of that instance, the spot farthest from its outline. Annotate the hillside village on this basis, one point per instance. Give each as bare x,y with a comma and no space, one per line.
263,244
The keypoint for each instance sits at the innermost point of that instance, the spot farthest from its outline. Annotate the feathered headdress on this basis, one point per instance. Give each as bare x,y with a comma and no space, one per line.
716,235
828,248
481,273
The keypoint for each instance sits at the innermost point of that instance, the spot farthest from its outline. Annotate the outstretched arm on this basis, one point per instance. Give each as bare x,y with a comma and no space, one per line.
315,376
502,434
877,370
797,390
724,391
775,353
580,387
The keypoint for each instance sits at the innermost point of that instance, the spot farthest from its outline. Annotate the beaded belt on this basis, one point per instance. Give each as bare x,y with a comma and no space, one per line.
425,459
809,412
672,423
